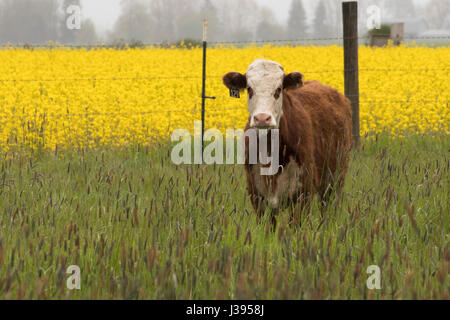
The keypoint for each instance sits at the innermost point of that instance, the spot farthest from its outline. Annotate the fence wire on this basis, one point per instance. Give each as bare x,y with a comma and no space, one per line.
194,77
164,44
44,115
150,78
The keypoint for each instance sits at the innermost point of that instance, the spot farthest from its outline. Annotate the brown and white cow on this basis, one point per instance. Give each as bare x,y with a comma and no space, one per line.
314,122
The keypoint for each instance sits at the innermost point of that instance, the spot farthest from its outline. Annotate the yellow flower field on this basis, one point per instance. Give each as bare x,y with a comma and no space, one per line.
63,97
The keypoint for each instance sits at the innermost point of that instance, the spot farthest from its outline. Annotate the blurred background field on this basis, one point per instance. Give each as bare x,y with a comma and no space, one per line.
78,73
86,98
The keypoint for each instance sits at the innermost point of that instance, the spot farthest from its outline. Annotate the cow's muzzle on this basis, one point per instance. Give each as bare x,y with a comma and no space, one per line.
262,120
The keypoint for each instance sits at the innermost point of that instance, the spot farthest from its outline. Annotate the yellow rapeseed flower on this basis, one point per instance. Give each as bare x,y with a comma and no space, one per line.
104,96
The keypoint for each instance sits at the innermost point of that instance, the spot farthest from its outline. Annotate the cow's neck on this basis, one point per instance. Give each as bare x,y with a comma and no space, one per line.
284,151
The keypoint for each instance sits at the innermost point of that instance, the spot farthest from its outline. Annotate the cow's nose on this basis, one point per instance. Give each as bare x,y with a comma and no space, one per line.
262,119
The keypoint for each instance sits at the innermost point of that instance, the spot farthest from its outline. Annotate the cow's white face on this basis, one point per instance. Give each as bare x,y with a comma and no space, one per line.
264,93
264,81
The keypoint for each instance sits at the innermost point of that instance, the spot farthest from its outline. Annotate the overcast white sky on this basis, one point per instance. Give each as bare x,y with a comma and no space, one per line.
105,12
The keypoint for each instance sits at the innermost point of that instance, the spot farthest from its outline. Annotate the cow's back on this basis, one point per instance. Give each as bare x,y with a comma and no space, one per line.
329,109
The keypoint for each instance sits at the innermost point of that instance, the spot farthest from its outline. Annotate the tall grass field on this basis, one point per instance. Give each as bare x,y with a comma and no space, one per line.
140,227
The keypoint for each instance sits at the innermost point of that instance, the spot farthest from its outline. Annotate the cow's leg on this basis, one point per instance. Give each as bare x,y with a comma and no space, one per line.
334,185
324,194
339,186
273,218
309,184
337,179
301,205
332,182
295,214
258,204
256,199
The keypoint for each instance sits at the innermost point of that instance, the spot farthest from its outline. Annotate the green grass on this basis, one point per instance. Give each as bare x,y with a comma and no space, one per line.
140,227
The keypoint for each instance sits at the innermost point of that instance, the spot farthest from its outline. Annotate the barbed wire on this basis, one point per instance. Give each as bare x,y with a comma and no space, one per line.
103,79
164,44
283,40
363,69
405,101
211,110
324,39
216,76
426,37
379,70
140,104
45,115
172,77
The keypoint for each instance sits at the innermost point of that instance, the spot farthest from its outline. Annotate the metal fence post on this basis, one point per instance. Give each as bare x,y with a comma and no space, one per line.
205,25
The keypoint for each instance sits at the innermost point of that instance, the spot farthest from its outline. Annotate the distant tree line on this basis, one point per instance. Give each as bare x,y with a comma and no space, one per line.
170,21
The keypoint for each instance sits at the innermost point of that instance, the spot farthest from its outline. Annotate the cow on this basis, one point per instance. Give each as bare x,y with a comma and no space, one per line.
314,127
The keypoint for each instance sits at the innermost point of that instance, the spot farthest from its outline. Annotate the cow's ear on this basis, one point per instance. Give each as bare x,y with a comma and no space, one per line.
235,80
293,80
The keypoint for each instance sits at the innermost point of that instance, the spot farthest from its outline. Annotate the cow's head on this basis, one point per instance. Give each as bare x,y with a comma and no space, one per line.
265,82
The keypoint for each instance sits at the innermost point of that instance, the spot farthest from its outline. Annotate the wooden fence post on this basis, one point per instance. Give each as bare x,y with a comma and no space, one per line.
350,26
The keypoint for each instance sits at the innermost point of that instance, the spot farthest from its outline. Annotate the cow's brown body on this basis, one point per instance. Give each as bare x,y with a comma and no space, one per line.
315,140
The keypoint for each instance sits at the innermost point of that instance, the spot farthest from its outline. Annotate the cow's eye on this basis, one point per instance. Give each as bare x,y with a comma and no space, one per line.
250,92
277,93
